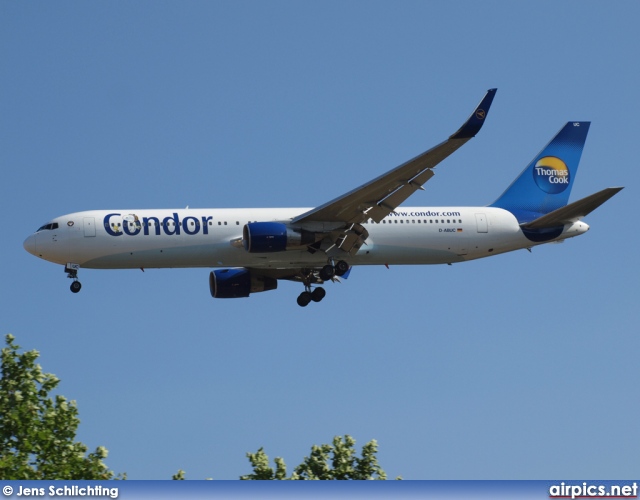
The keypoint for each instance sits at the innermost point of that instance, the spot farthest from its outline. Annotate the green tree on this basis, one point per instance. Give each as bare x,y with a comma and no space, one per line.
328,461
37,433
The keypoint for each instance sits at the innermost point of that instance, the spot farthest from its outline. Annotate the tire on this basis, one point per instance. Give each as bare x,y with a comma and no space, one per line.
318,294
75,286
304,298
341,267
327,272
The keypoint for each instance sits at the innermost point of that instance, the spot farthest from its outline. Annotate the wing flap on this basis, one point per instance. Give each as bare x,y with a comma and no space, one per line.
389,204
351,239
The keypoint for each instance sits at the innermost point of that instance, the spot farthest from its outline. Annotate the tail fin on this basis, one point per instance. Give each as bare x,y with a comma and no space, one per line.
545,185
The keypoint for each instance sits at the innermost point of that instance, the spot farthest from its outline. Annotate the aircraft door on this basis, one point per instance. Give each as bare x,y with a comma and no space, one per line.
89,226
481,221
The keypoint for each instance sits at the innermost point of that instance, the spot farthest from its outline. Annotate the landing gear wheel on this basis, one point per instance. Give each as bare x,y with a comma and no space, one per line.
318,294
72,272
327,272
341,268
304,298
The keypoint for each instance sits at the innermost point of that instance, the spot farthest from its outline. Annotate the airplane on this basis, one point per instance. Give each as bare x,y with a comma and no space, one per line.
250,249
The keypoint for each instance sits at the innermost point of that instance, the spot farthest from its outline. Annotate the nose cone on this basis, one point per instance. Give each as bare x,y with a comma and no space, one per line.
30,244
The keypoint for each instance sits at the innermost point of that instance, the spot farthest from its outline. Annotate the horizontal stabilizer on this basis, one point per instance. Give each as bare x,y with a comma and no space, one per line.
573,211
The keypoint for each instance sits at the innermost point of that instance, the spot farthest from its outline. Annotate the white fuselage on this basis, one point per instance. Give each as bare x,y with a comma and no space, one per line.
165,238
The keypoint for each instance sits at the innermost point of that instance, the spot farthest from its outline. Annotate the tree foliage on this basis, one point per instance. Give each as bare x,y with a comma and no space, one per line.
37,433
37,436
328,461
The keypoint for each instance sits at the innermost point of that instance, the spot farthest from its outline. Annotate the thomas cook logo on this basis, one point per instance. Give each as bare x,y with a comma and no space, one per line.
551,175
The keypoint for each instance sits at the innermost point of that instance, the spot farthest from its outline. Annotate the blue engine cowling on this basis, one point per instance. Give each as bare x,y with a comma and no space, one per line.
238,282
266,237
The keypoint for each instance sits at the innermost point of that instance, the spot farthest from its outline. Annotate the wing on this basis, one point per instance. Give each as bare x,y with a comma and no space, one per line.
377,198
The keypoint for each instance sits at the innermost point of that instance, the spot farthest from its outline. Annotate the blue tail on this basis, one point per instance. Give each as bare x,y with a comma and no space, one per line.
545,184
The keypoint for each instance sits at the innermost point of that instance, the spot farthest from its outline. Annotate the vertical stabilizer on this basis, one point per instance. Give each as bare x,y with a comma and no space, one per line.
545,185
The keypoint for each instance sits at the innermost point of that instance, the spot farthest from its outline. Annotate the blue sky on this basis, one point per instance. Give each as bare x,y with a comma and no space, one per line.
522,366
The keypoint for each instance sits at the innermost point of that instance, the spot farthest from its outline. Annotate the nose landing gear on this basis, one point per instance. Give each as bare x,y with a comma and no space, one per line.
72,273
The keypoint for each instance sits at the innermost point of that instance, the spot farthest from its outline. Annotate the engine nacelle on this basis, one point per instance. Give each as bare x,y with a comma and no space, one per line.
238,282
265,237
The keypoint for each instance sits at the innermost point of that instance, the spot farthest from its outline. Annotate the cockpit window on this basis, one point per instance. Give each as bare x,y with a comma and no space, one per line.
48,227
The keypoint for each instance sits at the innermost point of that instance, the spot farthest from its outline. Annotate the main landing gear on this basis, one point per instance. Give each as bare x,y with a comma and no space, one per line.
72,272
307,296
327,273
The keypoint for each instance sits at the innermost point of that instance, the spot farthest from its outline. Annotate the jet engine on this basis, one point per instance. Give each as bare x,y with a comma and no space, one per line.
238,282
264,237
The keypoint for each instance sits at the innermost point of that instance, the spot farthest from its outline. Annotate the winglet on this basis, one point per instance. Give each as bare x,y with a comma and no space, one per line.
473,125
